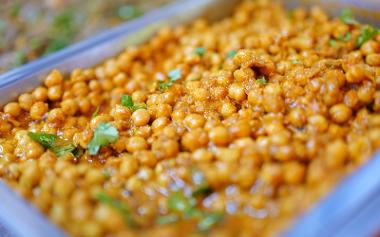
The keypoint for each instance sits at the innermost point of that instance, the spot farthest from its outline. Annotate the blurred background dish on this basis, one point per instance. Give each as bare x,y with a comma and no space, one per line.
30,29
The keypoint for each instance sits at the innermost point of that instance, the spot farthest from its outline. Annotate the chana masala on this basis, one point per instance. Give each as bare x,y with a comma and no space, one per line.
230,128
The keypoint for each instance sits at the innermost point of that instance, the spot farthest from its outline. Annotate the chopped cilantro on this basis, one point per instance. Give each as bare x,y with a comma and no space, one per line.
200,51
104,135
52,142
345,38
126,100
96,112
295,61
163,220
202,191
347,17
186,207
174,75
179,203
262,81
231,53
332,42
202,188
165,85
128,12
209,220
117,205
366,34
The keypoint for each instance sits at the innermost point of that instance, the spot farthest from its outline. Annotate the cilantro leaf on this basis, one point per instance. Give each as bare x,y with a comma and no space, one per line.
117,205
163,220
209,220
45,139
295,61
62,150
202,191
126,100
345,38
164,85
175,75
366,34
262,80
104,135
231,53
96,112
200,51
347,17
332,43
52,142
179,203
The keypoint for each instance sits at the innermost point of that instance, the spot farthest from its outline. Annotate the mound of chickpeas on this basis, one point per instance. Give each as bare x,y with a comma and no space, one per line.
229,128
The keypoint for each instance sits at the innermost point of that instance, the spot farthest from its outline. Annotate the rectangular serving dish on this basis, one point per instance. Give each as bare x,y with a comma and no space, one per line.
346,211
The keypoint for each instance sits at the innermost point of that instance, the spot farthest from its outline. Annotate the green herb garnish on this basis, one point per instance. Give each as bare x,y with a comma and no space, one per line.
200,51
128,12
126,100
345,38
117,205
202,191
174,75
209,220
57,145
186,208
231,53
168,219
295,61
366,34
332,43
202,188
104,135
179,203
96,112
347,17
262,81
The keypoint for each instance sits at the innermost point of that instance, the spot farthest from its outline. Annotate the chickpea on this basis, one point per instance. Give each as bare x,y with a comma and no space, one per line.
236,92
340,113
194,121
272,173
136,144
129,166
141,117
40,94
227,109
219,136
202,155
318,122
53,79
12,109
38,110
55,93
69,107
294,173
26,101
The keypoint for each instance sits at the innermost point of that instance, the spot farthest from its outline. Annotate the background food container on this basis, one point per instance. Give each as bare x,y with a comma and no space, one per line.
349,210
